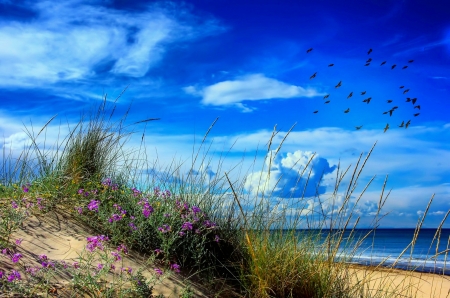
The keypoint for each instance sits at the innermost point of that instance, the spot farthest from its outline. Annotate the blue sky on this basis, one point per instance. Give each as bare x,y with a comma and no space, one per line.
247,63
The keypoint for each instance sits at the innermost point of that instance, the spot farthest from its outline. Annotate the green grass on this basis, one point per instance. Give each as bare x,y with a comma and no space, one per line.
214,231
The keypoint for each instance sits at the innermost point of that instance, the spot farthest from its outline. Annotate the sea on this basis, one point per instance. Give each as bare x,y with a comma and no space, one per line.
383,247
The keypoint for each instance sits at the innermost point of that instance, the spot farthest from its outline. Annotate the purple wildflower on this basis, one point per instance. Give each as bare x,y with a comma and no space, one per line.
19,241
175,267
16,257
93,205
79,209
164,229
114,217
5,251
132,226
48,264
136,192
32,270
181,234
166,214
159,271
127,269
81,191
196,209
25,188
107,182
122,248
14,275
96,242
158,251
43,257
64,264
116,255
76,265
14,205
187,226
99,266
216,238
156,191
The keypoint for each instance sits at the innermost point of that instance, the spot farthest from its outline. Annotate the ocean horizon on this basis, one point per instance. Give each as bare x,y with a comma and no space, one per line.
383,247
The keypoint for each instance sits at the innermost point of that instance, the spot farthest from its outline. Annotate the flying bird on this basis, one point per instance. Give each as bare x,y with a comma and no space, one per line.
367,99
384,113
389,100
347,110
410,61
401,87
408,99
406,91
415,115
315,112
327,101
309,50
369,60
386,128
394,108
370,51
407,123
313,76
326,96
358,127
329,65
364,92
350,95
390,112
338,85
401,125
393,66
383,63
405,67
367,64
413,101
417,107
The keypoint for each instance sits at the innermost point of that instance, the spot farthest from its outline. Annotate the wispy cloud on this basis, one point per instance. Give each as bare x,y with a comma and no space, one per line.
75,41
248,88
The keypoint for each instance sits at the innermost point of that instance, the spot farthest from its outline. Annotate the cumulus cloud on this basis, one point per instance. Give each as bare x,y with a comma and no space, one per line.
70,41
285,177
248,88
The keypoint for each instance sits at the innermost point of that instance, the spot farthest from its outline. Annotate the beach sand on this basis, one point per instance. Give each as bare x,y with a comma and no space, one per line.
59,236
402,283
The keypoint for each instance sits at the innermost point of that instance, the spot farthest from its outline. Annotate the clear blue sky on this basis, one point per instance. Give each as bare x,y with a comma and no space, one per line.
247,63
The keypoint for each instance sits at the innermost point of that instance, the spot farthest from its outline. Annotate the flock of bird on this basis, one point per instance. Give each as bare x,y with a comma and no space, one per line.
367,100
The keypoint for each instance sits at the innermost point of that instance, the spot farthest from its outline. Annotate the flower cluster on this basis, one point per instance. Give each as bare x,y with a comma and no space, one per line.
96,242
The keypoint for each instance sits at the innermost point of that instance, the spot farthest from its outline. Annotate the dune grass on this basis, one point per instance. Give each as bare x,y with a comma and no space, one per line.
209,229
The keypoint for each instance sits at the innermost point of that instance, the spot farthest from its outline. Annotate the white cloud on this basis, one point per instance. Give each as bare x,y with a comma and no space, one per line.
68,41
251,87
289,176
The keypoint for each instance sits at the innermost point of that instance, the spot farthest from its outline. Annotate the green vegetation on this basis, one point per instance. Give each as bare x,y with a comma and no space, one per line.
207,230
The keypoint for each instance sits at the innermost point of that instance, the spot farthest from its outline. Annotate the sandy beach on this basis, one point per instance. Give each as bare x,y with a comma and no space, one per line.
403,283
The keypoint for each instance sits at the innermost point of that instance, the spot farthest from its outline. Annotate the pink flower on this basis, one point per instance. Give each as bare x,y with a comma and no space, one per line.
19,241
159,271
76,265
